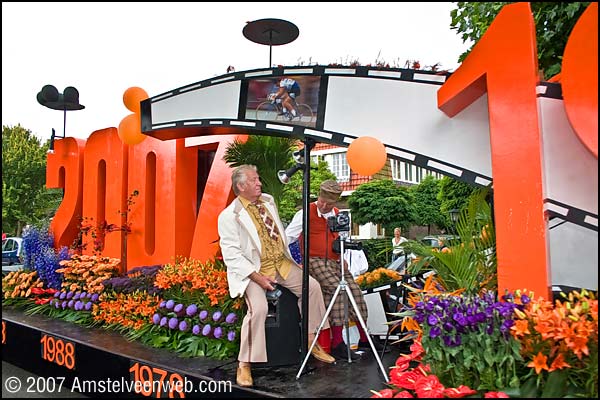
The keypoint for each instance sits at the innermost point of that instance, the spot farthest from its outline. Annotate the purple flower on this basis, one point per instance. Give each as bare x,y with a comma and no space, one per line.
178,309
191,310
231,318
94,297
231,336
70,304
77,295
218,332
196,330
156,319
203,314
78,305
82,295
217,316
88,306
162,304
206,330
70,295
173,323
170,304
183,326
57,294
64,304
163,321
57,304
63,295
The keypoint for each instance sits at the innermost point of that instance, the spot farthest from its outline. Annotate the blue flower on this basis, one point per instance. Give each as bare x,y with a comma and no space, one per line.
218,332
191,310
231,318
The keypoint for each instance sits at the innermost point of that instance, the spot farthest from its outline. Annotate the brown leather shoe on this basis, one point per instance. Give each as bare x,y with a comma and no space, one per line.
244,376
321,354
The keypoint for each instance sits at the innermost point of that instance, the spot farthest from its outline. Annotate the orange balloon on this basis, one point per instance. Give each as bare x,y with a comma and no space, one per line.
130,129
366,155
132,98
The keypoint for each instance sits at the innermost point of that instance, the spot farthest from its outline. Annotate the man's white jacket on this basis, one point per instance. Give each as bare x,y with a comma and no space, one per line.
240,243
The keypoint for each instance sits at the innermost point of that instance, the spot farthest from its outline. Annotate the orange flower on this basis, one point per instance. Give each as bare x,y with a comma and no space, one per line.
539,363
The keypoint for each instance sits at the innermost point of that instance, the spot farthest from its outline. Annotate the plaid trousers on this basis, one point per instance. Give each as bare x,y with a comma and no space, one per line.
327,273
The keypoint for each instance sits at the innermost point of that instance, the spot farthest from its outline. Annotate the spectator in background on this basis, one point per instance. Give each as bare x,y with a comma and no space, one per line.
397,241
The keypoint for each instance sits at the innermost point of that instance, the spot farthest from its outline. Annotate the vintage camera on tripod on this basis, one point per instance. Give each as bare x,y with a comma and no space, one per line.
341,223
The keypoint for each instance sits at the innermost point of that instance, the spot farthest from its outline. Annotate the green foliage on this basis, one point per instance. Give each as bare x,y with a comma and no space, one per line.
291,200
553,21
269,153
25,200
453,194
470,262
378,252
426,206
381,202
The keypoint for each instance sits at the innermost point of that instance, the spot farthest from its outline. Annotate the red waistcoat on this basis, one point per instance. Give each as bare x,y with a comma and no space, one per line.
320,237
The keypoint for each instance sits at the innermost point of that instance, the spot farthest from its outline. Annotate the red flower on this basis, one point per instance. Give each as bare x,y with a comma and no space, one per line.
404,394
42,301
460,391
37,290
403,362
495,395
405,380
384,393
429,387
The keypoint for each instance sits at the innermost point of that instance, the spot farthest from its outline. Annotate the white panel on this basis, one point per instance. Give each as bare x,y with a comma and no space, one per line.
212,102
405,114
574,256
377,321
571,171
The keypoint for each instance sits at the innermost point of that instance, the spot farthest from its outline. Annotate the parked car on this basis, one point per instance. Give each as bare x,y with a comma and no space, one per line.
438,241
12,251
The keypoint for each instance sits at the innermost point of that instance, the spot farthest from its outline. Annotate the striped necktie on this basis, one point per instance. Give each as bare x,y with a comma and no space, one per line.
269,223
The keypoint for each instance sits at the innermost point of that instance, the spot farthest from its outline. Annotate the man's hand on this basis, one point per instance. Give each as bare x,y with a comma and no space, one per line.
265,282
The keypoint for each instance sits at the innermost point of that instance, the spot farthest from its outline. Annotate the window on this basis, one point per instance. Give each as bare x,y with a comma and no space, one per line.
338,165
405,172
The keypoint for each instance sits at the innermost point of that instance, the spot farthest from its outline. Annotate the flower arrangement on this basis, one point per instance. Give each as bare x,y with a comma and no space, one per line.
476,345
136,279
125,311
40,255
191,281
559,344
19,284
86,273
377,277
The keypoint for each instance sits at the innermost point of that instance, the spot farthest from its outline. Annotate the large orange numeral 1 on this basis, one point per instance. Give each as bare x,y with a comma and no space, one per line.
504,63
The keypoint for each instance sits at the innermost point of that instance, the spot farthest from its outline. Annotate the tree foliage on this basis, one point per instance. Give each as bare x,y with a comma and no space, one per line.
453,194
426,206
381,202
269,153
553,21
291,199
25,199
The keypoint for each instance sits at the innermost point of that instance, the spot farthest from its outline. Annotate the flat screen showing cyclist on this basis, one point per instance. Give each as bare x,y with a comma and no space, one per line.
287,99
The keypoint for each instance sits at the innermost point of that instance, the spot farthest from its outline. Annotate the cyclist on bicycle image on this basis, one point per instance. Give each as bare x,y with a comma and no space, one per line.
287,92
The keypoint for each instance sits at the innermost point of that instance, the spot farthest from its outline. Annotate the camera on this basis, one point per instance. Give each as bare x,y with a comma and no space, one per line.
274,294
348,245
339,222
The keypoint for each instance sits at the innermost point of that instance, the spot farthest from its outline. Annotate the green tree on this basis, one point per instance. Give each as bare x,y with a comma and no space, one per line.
553,21
291,200
426,206
453,194
381,202
270,154
25,199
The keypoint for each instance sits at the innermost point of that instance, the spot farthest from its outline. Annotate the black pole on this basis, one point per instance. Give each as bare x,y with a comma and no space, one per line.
270,48
308,145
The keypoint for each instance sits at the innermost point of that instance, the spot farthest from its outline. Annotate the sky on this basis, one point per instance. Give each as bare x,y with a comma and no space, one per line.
102,49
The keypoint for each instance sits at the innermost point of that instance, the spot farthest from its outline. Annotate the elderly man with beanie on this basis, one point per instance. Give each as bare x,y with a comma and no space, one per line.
325,268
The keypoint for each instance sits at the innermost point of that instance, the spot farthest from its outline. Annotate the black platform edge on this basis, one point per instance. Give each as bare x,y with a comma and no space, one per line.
104,354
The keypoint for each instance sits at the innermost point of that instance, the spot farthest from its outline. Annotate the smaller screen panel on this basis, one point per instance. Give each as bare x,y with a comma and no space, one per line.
292,99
